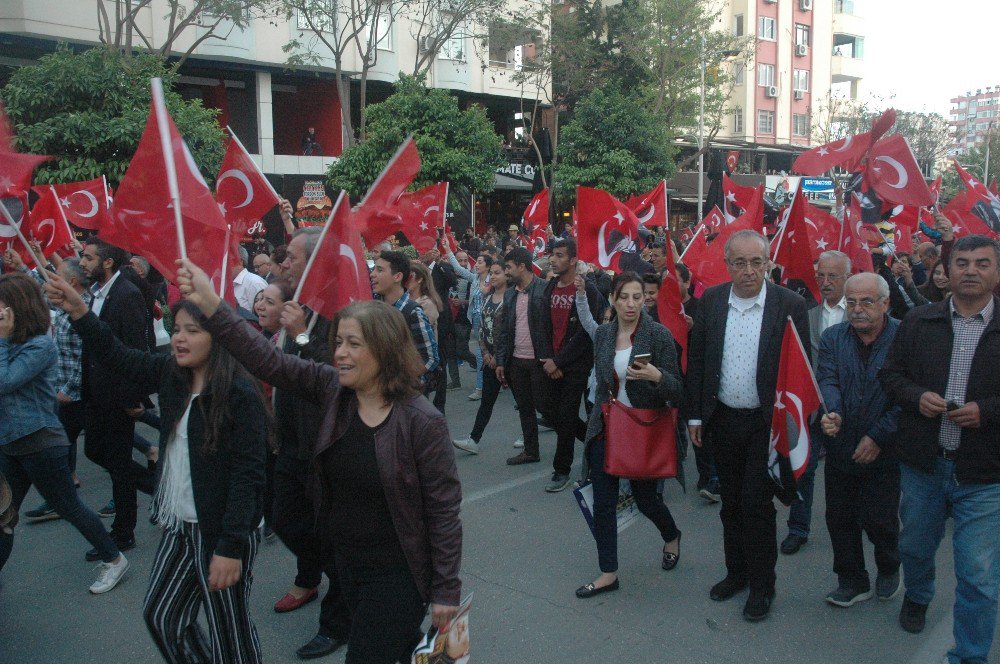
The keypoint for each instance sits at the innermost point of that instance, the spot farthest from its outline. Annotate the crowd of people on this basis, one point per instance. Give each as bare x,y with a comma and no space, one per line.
331,435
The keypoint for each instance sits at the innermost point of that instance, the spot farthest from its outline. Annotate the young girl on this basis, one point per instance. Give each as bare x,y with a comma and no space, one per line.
34,449
208,499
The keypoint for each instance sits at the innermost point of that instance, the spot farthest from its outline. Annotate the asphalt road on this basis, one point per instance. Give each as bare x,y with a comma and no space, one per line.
525,552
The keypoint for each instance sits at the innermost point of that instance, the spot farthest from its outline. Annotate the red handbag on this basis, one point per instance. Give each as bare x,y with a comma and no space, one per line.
641,442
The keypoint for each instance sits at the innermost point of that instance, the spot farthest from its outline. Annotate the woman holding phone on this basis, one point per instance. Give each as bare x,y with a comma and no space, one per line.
636,363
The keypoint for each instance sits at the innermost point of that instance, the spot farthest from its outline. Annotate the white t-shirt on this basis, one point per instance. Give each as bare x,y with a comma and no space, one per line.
178,495
621,365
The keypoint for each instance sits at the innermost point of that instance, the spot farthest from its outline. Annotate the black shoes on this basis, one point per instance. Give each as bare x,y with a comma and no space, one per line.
670,560
793,543
758,605
912,616
122,544
320,646
726,588
590,590
522,458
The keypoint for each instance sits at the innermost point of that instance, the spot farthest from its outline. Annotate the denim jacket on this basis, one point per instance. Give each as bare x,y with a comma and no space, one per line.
28,383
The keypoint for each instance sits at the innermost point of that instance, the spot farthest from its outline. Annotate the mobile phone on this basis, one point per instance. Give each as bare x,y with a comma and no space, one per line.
951,405
642,359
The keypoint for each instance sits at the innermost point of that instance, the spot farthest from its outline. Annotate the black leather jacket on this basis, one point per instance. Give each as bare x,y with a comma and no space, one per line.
538,314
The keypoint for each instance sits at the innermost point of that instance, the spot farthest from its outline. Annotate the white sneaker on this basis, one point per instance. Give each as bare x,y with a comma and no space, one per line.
519,442
469,445
111,574
476,395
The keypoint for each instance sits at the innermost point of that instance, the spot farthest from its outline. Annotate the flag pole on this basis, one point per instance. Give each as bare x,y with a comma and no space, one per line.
24,241
223,277
309,264
666,210
781,233
701,227
812,374
62,215
242,147
162,120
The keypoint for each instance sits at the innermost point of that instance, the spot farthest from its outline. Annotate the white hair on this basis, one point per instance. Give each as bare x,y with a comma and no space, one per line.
833,254
747,234
880,282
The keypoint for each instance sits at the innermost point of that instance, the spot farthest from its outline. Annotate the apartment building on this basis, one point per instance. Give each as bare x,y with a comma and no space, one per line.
973,116
271,107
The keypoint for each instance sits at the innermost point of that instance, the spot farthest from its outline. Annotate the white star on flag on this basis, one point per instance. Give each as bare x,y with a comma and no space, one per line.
6,182
731,197
423,225
64,202
222,208
956,229
822,152
821,244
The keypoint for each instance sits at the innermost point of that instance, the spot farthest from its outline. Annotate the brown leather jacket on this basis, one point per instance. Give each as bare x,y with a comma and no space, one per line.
416,460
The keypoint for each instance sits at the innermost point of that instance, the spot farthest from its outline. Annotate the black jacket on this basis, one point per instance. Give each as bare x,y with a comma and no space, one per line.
228,485
577,352
124,312
538,309
444,279
296,419
920,360
705,344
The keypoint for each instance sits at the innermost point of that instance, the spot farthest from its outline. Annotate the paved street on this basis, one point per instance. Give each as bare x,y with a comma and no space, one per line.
525,553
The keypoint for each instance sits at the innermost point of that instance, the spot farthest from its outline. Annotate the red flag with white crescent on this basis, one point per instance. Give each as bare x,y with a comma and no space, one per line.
606,228
47,224
16,168
737,198
893,173
537,213
421,215
979,200
376,215
243,193
651,208
819,160
84,203
670,308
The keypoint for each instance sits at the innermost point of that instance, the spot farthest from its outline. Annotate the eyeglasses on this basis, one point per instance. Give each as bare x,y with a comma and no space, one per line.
821,277
742,264
866,303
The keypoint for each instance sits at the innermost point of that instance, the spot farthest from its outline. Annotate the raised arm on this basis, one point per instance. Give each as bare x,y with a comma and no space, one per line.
583,311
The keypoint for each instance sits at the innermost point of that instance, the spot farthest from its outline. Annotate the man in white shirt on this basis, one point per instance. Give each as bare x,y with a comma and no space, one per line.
832,270
246,284
733,354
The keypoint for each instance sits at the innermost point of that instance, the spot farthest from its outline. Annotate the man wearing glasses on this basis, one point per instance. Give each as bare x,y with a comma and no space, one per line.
832,270
733,354
862,474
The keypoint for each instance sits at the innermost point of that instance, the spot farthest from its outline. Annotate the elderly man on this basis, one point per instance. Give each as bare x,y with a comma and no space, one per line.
246,284
832,270
262,267
944,372
733,354
928,254
862,476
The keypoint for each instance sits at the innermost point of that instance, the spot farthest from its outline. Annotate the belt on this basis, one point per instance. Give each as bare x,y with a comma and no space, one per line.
744,412
946,454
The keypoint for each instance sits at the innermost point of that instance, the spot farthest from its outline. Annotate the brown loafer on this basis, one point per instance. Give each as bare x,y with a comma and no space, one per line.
290,602
522,458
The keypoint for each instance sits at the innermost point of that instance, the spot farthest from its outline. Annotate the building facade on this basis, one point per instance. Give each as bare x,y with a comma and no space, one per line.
973,116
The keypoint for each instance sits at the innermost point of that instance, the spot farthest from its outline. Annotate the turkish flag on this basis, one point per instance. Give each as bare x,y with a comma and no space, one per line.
796,399
16,168
84,203
903,240
17,208
707,258
687,233
47,224
806,234
963,221
421,215
538,240
821,159
243,193
893,173
737,199
536,215
853,241
606,228
979,200
651,208
375,214
337,274
732,160
714,220
142,218
448,240
670,309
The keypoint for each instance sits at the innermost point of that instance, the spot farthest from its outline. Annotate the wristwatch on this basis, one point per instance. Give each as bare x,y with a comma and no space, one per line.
302,339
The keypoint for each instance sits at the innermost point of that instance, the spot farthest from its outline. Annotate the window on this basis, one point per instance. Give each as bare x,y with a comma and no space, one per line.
800,80
383,31
765,75
738,25
801,35
738,120
454,47
800,124
765,122
767,28
739,73
844,6
322,15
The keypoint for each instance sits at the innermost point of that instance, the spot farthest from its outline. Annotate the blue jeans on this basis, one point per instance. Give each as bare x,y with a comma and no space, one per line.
49,471
925,504
800,513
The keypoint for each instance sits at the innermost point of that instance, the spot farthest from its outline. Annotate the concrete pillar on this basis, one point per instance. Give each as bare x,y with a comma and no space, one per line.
265,121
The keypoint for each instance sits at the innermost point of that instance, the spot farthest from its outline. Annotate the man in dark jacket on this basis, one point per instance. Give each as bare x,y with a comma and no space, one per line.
862,476
573,356
523,347
944,372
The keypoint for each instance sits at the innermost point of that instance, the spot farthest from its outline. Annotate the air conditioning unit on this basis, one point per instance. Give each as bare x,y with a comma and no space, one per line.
801,50
805,5
771,91
424,44
800,94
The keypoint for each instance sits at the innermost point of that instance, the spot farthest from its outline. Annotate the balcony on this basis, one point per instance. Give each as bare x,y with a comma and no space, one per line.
848,24
846,69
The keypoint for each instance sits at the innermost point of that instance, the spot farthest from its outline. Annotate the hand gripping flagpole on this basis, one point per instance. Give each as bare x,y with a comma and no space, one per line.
162,120
24,241
312,259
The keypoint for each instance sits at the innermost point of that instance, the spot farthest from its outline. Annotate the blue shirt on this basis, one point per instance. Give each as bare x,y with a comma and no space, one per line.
28,385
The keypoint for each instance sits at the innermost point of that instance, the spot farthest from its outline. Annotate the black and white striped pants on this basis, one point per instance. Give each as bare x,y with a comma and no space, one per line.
178,589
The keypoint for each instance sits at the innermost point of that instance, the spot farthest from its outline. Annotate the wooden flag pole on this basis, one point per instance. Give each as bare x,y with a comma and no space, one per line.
24,241
162,120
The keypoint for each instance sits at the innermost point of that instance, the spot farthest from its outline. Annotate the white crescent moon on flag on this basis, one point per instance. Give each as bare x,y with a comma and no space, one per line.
433,208
94,207
242,177
348,253
811,223
602,252
649,215
193,166
534,207
846,145
900,171
51,223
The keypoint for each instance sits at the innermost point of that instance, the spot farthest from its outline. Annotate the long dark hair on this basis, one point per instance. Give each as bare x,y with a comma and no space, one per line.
221,371
24,297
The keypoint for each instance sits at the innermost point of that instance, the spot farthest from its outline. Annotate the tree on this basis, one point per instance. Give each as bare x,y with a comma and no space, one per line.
89,110
209,19
433,23
455,145
615,143
974,161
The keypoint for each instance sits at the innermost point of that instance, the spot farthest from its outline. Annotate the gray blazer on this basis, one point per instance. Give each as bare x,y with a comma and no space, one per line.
815,333
649,337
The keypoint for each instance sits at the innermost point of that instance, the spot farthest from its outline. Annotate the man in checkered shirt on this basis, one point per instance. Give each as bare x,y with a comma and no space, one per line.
944,372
